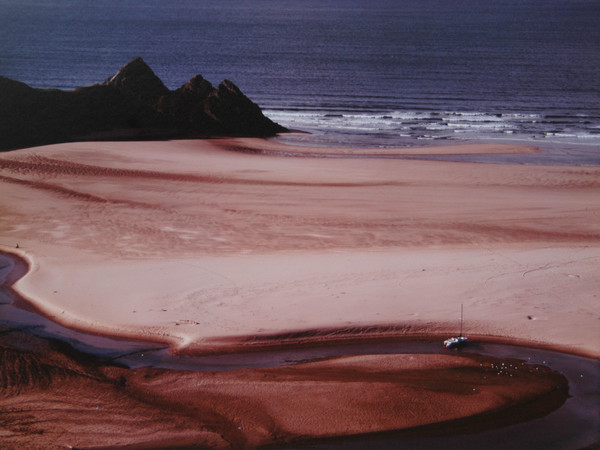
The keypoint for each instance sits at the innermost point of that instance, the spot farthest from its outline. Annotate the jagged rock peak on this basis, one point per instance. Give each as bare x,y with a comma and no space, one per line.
132,104
230,86
198,85
137,78
228,91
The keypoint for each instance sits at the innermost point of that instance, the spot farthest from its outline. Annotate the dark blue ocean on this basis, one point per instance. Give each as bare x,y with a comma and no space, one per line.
376,73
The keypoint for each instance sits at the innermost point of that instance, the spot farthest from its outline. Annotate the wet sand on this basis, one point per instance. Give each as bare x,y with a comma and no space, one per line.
211,249
54,396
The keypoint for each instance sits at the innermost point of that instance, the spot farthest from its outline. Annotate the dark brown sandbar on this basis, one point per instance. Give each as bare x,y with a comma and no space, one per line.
54,396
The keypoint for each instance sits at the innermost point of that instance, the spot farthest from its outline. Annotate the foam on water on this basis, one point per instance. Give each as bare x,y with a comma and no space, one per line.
445,125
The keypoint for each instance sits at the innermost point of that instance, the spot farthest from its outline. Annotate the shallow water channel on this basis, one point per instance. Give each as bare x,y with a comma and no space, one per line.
575,425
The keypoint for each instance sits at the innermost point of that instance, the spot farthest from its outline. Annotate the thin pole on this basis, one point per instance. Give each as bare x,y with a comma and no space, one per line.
461,318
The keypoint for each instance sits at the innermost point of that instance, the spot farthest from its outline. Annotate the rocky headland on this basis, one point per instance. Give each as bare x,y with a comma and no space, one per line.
133,104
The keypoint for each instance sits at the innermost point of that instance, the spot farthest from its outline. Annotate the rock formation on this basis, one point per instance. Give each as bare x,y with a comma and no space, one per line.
133,104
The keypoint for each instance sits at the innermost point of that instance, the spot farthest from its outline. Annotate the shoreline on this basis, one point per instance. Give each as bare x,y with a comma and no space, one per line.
271,146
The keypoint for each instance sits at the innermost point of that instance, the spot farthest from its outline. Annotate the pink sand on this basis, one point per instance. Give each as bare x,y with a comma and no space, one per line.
192,243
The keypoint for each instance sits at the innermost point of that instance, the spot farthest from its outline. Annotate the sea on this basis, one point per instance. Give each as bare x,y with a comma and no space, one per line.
382,73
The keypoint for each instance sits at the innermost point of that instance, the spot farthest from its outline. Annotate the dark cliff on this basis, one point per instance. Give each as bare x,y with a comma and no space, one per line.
133,104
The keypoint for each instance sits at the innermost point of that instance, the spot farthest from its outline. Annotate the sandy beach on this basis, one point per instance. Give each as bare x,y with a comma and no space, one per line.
191,242
231,244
